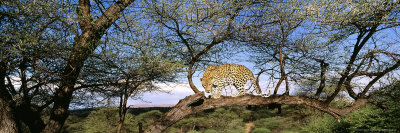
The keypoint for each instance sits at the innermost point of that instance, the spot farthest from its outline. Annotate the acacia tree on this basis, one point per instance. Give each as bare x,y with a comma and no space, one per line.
29,59
136,66
131,69
327,28
204,28
93,22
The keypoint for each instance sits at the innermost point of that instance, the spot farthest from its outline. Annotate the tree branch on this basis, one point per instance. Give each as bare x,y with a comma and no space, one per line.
380,75
322,77
357,48
11,86
111,15
83,12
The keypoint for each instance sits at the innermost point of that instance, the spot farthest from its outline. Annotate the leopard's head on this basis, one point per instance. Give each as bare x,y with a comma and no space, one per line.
205,81
206,84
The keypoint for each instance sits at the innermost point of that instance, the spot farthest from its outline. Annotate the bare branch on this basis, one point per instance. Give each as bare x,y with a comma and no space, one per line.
322,77
380,75
356,50
111,15
83,11
10,86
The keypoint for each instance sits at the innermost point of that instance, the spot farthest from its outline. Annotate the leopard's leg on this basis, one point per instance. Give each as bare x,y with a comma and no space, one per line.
218,93
241,90
215,93
212,92
219,89
233,94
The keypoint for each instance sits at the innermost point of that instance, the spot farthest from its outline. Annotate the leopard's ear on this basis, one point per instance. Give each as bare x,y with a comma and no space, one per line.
212,66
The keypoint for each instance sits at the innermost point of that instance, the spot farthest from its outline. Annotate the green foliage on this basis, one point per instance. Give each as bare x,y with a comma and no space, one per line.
270,123
146,118
230,119
106,120
73,124
100,119
368,118
211,131
173,130
263,113
318,124
193,131
261,130
247,115
221,120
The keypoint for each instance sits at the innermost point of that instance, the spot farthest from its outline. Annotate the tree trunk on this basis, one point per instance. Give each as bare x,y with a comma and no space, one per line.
122,108
8,123
189,77
283,73
140,125
71,72
30,117
121,122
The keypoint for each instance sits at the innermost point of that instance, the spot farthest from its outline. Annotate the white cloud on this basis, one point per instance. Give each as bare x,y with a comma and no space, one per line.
176,91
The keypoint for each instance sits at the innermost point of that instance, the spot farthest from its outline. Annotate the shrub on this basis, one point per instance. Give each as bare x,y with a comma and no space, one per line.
270,123
220,120
261,130
107,119
146,119
211,131
101,120
320,124
193,131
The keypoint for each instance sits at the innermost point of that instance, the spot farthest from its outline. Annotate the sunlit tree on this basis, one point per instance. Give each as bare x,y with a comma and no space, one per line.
45,44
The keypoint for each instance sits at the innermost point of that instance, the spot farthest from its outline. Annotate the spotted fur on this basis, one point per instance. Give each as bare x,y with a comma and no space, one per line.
227,74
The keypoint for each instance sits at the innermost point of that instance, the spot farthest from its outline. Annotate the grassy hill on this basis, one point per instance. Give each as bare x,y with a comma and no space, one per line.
292,119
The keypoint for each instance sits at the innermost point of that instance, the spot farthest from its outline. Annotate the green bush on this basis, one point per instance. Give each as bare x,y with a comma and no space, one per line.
221,120
106,120
146,119
261,130
101,120
270,123
320,124
73,124
211,131
371,118
193,131
173,130
263,113
368,118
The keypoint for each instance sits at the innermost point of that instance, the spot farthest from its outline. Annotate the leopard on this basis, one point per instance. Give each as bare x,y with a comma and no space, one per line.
227,74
